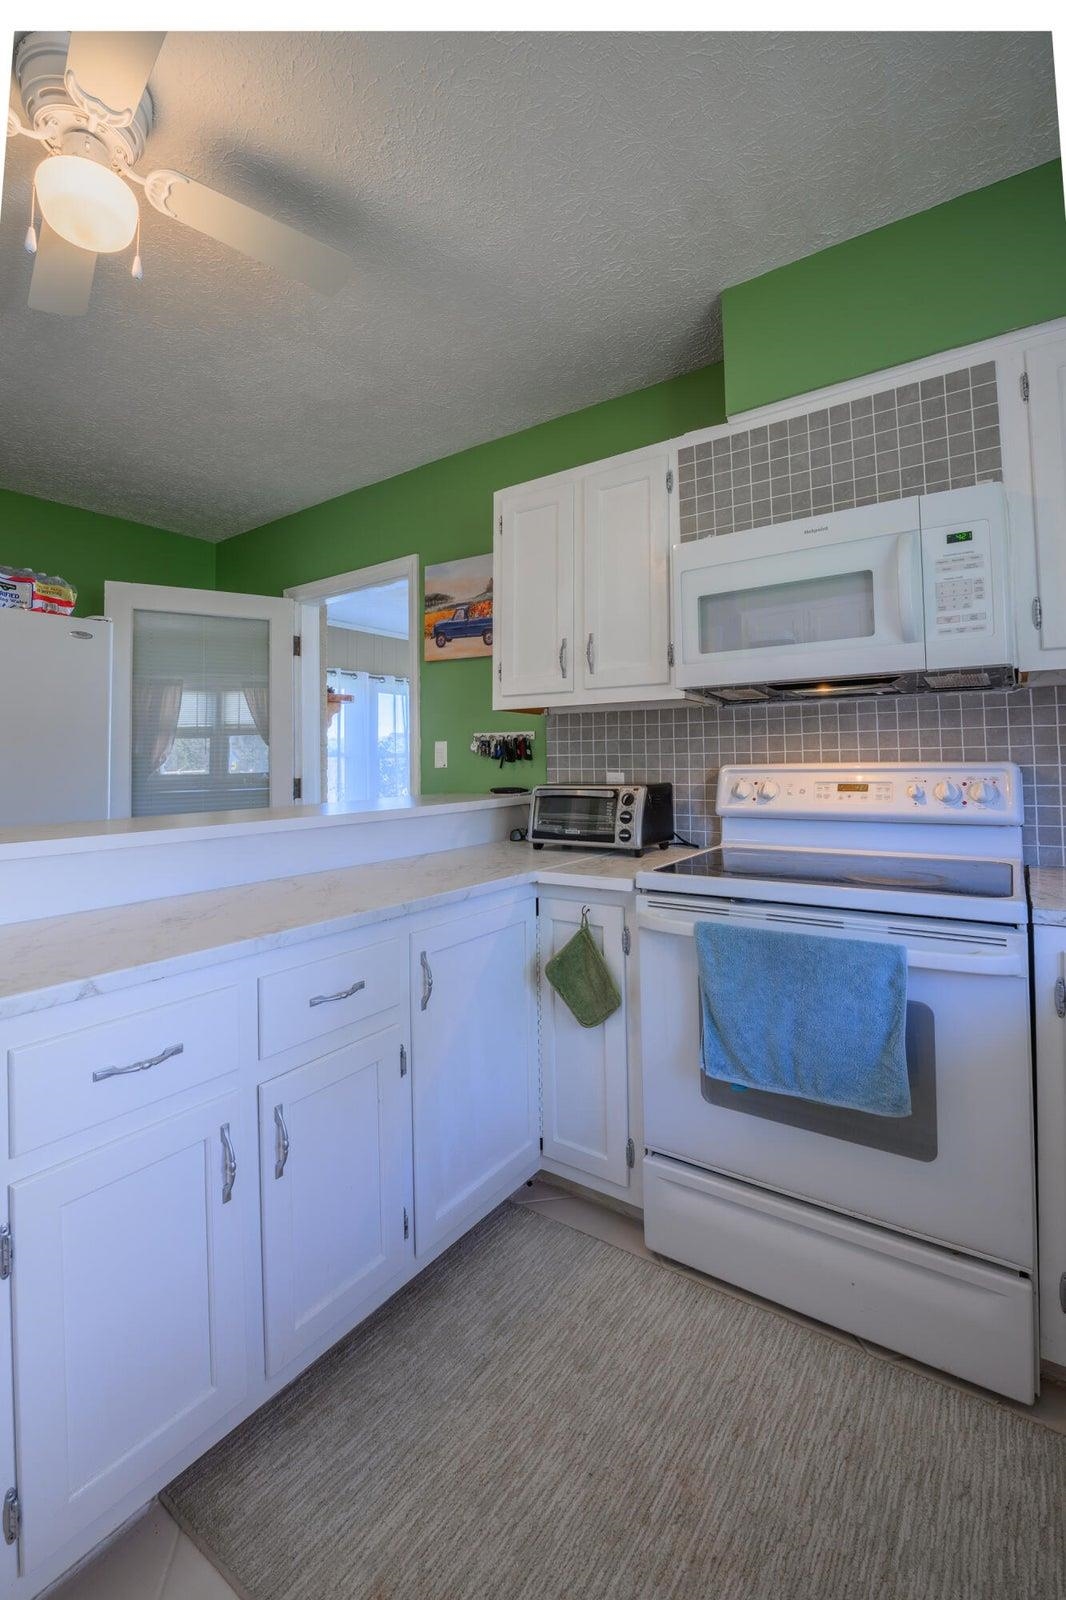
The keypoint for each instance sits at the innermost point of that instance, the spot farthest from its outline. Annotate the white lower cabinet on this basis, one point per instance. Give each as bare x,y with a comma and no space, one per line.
584,1071
1049,1010
335,1168
473,1047
129,1314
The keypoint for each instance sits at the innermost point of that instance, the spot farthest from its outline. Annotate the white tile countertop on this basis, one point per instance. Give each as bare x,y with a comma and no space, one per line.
54,960
1047,893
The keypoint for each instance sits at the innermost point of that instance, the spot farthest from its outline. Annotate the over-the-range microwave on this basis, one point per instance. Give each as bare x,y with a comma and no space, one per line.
894,597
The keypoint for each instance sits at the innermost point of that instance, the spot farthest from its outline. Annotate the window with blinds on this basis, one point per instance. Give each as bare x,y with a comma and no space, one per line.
200,713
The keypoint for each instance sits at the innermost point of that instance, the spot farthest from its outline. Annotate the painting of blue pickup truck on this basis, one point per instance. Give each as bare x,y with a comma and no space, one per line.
458,609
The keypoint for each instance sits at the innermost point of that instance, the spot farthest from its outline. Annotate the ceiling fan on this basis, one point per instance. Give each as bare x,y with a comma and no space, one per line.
86,99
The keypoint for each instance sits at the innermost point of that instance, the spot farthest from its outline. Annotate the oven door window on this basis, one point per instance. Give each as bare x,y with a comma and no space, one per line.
914,1137
576,816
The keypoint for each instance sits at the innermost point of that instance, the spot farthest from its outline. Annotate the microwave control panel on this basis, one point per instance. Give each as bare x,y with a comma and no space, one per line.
962,580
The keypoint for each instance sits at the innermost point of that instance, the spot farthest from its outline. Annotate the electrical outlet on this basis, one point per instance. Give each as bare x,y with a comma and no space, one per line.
616,777
440,753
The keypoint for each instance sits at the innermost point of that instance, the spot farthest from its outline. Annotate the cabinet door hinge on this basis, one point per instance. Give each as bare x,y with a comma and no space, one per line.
1036,611
1060,1011
12,1516
297,788
542,1143
297,645
1023,384
631,1153
627,939
406,1224
499,672
670,655
1062,1291
403,1061
669,480
501,524
7,1251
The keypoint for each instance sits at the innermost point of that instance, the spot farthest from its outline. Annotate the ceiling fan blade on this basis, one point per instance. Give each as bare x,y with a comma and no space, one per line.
62,276
113,67
256,235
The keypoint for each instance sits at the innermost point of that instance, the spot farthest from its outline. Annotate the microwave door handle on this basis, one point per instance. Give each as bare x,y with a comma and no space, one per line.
910,619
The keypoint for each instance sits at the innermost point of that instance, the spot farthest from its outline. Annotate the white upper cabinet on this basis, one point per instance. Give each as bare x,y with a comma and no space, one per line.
533,590
581,586
626,572
1046,369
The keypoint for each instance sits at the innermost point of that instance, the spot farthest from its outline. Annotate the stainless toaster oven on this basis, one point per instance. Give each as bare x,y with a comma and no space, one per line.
629,817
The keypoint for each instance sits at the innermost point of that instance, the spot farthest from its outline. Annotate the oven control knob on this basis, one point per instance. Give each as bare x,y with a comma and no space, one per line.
625,816
625,835
627,799
768,789
742,789
915,791
984,791
948,792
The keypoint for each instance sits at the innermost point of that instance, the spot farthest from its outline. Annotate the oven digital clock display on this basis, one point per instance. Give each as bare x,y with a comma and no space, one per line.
853,788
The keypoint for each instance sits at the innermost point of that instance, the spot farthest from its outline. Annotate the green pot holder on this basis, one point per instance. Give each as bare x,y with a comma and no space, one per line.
581,977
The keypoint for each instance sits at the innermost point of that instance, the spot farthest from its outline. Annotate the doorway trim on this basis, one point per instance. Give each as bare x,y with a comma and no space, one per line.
309,597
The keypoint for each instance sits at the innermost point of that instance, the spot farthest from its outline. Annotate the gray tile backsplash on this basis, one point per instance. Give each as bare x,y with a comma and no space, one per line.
688,743
942,433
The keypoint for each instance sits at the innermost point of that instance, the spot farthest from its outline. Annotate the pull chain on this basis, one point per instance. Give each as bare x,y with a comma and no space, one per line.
31,231
137,270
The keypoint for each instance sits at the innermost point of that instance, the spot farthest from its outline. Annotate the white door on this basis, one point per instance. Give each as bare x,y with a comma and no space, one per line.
335,1167
1046,366
627,555
474,1068
202,705
129,1315
584,1071
533,596
1049,1004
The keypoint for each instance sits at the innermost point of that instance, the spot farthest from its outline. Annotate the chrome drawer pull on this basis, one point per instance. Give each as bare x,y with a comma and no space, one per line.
229,1164
588,654
427,980
562,659
281,1142
139,1066
342,994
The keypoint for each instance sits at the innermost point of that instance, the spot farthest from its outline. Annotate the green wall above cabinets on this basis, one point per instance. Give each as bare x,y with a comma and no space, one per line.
87,548
444,511
987,262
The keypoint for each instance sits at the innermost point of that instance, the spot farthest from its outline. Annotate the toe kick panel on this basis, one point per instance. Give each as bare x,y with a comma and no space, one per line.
952,1312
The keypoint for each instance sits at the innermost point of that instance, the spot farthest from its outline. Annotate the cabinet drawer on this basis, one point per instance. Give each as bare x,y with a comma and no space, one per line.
306,1002
74,1081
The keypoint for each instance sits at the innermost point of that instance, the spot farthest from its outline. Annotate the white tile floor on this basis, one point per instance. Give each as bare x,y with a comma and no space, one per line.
153,1560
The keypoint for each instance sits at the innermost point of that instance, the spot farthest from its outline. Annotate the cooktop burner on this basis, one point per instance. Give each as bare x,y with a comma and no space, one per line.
857,869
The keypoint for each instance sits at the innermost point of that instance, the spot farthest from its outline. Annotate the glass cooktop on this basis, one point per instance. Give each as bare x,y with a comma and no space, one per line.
850,869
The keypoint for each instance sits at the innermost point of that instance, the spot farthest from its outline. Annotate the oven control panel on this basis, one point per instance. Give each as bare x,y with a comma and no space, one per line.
925,792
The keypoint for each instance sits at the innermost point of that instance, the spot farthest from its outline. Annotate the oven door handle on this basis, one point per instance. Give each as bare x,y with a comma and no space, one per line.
995,963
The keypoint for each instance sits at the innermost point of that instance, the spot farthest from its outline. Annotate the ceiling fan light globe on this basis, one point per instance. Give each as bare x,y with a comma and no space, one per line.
86,203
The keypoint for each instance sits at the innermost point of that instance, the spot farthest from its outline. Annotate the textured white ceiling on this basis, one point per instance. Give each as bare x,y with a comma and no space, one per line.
537,222
381,609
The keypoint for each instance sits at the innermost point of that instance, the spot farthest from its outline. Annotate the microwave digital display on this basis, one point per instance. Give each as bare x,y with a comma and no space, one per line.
963,537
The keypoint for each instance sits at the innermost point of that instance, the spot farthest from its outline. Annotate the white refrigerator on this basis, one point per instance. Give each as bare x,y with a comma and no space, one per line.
55,718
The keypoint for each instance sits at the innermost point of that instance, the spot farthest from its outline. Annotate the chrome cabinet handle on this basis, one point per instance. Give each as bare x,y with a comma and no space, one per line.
1060,997
342,994
281,1142
589,656
562,659
427,980
229,1164
139,1066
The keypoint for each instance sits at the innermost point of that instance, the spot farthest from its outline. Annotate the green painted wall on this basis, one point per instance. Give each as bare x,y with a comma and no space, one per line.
444,511
983,264
88,548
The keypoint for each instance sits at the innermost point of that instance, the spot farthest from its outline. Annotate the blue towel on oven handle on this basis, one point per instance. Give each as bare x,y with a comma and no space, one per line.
801,1014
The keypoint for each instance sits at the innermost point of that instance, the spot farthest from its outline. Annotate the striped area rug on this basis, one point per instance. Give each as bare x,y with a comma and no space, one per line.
540,1416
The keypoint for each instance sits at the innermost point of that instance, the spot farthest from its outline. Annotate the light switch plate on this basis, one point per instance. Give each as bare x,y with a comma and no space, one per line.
440,752
616,777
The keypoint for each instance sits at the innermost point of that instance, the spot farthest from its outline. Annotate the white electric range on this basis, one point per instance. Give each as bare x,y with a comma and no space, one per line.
917,1232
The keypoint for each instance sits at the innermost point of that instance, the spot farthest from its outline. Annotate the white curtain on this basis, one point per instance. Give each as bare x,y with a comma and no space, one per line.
367,738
